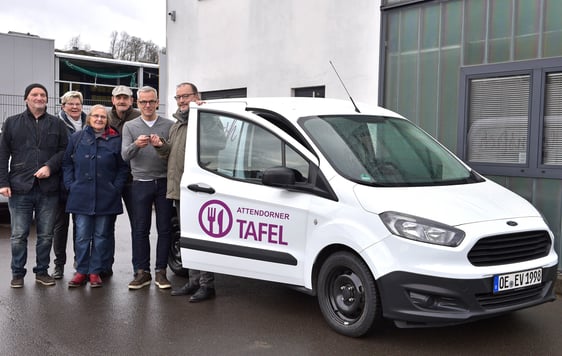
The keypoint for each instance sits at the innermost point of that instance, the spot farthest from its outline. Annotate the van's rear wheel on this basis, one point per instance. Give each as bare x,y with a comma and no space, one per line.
347,295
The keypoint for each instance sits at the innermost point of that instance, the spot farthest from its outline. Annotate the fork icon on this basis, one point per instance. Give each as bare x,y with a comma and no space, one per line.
211,216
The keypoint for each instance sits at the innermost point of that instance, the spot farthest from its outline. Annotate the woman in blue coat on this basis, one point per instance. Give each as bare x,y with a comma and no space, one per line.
94,175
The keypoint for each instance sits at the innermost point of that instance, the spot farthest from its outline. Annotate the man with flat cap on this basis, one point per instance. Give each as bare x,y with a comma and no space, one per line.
121,111
32,144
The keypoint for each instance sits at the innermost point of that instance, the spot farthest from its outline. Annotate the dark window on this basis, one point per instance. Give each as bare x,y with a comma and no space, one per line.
512,118
310,92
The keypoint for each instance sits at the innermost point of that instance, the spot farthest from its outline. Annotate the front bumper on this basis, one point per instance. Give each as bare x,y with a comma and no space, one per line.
414,300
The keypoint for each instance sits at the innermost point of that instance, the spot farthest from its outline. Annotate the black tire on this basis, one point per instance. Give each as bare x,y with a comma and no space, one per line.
347,295
174,257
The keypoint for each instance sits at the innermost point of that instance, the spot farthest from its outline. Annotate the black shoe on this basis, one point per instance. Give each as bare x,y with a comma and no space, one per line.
58,272
106,273
187,289
202,294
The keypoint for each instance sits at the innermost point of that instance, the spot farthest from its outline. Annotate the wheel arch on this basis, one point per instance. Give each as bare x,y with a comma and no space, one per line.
326,252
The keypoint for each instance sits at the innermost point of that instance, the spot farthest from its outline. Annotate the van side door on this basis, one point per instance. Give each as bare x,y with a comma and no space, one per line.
231,222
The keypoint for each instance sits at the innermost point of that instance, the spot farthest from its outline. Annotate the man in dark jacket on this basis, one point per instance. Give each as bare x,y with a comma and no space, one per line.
121,112
33,144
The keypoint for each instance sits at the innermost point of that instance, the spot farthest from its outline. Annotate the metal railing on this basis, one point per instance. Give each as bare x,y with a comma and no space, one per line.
15,104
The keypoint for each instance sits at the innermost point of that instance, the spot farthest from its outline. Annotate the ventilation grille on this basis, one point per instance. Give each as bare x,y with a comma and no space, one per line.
510,248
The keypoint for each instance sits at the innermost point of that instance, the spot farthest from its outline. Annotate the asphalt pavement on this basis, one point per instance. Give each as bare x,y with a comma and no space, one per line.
248,317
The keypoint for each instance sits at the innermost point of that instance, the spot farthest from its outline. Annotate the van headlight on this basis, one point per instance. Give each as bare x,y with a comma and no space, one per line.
420,229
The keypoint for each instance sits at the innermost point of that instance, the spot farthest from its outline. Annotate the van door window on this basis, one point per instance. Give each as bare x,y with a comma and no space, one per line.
243,150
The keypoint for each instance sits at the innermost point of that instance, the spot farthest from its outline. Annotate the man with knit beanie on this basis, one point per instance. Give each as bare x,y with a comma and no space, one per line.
32,184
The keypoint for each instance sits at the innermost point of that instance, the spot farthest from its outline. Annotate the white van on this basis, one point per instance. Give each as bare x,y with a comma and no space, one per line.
362,209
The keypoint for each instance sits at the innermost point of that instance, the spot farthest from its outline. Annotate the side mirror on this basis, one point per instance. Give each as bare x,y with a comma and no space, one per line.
278,177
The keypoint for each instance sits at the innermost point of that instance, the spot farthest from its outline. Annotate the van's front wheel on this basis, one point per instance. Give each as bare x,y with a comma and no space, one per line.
347,294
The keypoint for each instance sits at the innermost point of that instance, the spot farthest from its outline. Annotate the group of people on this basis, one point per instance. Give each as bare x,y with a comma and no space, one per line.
84,166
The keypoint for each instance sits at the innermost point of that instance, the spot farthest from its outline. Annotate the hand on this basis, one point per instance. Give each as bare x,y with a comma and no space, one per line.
6,191
156,140
142,141
43,172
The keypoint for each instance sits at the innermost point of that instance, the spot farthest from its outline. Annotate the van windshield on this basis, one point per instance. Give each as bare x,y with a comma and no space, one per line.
385,151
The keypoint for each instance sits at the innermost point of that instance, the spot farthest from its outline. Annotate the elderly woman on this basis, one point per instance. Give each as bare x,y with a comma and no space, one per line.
94,174
75,119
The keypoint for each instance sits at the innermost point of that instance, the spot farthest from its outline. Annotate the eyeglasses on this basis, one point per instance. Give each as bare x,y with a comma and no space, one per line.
145,102
99,117
184,96
72,104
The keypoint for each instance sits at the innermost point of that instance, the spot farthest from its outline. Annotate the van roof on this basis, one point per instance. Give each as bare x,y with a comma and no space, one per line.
292,107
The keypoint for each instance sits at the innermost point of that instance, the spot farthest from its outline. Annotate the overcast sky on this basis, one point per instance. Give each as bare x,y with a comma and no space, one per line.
92,20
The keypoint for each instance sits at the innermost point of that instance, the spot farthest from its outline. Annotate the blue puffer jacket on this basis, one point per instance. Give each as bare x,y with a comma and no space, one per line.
94,173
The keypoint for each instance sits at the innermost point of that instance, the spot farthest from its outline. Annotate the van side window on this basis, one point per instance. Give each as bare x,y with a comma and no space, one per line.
239,149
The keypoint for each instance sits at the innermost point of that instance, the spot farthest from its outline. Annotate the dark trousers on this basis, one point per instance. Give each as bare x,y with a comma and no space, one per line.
147,194
60,234
109,254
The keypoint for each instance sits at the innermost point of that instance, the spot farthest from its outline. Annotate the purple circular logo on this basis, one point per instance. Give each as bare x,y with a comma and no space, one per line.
215,218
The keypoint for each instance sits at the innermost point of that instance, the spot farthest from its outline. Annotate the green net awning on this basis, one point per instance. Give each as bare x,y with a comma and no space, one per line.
96,75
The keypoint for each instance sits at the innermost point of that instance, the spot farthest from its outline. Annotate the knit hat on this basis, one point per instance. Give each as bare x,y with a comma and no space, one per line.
34,85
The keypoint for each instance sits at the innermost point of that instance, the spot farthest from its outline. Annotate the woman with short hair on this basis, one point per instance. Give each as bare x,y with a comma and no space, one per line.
94,174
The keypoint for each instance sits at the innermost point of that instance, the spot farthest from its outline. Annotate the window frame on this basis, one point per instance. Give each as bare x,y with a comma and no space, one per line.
284,147
537,70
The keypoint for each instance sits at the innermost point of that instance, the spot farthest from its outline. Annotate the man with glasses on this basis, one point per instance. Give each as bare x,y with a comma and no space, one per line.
32,144
201,284
74,118
149,189
121,112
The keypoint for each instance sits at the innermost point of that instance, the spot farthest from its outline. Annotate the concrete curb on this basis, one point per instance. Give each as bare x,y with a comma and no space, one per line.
558,285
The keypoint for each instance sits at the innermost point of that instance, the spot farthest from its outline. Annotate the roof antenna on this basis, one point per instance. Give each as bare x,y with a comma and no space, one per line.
343,85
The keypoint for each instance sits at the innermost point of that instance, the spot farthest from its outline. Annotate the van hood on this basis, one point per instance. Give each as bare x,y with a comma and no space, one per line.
453,205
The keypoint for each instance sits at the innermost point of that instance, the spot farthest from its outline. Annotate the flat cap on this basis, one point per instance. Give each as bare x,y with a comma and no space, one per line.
122,90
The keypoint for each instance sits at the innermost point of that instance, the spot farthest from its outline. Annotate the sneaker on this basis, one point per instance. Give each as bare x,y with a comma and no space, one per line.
78,280
95,281
45,279
58,272
142,279
17,282
161,281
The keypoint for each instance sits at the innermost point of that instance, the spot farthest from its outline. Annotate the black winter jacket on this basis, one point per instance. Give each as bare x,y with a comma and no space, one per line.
29,144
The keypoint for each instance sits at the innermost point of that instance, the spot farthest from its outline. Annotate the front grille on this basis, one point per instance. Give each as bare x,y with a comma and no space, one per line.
510,248
506,299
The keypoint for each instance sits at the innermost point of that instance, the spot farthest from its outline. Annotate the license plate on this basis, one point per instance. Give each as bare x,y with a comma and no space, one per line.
515,280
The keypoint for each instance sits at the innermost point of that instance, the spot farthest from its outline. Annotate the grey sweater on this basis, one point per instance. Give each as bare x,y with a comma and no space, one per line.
146,164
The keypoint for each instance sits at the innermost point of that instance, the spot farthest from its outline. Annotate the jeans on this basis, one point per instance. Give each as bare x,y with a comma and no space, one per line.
60,233
92,242
145,195
22,209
